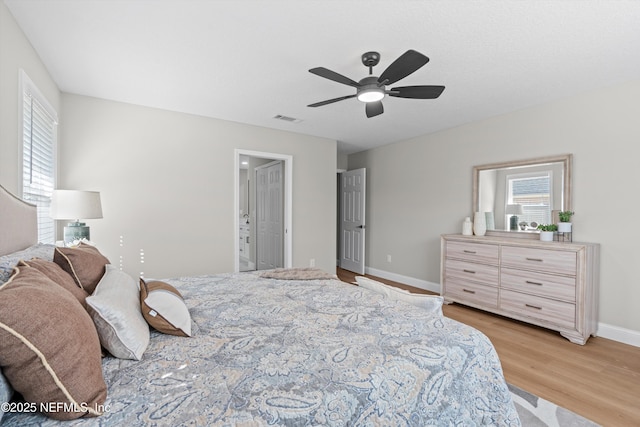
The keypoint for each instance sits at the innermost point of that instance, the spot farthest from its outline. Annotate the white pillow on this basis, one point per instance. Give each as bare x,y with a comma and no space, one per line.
164,309
115,310
431,303
372,285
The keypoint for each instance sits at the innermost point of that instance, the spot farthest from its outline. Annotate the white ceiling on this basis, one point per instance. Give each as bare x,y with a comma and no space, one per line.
248,60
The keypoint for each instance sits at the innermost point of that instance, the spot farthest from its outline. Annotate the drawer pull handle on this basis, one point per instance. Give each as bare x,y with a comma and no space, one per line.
468,291
533,306
534,259
469,271
469,252
529,282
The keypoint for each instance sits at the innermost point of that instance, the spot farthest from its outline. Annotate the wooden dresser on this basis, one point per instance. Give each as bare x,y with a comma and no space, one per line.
550,284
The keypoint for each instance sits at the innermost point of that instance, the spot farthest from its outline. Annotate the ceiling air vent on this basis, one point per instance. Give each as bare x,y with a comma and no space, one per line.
287,118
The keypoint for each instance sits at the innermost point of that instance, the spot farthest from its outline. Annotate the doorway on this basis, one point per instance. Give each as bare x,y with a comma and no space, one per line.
246,219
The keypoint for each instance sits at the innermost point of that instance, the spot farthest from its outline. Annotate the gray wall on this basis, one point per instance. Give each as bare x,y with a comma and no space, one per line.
421,188
167,185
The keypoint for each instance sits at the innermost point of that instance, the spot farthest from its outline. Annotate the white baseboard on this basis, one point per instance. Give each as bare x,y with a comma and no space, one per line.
411,281
615,333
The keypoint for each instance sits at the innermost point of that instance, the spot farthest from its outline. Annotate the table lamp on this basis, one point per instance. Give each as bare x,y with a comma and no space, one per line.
514,210
74,204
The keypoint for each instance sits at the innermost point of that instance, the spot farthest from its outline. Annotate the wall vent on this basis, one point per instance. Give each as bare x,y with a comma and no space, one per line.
287,118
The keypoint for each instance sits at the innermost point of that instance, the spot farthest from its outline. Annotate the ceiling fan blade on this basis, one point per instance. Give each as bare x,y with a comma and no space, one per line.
416,92
374,109
407,63
332,75
330,101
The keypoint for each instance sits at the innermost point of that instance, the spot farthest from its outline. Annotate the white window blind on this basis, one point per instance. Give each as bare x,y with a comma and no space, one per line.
533,192
39,130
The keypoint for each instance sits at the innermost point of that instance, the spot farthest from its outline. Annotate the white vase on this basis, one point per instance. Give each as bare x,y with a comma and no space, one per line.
546,236
564,227
467,227
479,224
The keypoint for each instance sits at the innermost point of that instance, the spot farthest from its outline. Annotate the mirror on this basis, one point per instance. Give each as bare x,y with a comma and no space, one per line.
524,193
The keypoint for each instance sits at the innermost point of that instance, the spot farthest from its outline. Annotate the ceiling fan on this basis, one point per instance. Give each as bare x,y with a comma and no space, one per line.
372,89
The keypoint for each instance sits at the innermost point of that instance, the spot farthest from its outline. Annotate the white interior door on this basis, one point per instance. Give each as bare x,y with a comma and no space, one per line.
352,229
269,216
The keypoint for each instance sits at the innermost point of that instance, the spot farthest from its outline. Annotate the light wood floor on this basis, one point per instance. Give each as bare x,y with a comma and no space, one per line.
600,380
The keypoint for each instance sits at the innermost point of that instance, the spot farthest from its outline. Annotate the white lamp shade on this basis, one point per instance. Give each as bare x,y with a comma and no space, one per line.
515,209
73,204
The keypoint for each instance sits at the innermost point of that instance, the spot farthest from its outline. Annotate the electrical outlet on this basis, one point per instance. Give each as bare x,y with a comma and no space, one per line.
388,258
312,262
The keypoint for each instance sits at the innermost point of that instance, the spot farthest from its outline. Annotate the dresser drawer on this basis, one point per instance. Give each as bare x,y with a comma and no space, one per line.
473,252
472,293
541,284
562,314
552,261
469,271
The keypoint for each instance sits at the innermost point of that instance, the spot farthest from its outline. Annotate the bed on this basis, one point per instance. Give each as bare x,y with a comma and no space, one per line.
293,352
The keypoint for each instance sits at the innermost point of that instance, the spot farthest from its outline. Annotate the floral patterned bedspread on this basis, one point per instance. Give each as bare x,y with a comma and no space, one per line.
304,353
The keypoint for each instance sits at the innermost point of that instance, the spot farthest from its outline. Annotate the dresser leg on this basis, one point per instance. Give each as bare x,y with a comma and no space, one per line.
574,337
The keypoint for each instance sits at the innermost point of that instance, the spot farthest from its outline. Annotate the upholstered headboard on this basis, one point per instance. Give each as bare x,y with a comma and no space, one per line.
18,223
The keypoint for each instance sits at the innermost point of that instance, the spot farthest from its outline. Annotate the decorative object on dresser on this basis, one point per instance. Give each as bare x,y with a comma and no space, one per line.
547,231
74,204
479,224
564,225
550,285
467,227
565,233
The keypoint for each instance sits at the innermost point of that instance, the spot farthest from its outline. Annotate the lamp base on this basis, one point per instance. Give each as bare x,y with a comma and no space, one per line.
76,231
513,223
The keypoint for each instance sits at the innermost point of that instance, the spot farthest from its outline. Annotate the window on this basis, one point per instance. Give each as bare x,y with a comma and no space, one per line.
39,130
533,192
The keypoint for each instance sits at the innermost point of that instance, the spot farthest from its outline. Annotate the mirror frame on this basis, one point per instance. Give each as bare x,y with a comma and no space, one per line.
565,159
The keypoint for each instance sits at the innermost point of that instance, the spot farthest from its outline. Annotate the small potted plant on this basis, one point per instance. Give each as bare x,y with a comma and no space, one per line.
564,225
546,232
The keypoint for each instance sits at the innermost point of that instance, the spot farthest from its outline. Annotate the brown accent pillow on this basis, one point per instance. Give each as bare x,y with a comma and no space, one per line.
164,309
50,351
84,263
54,272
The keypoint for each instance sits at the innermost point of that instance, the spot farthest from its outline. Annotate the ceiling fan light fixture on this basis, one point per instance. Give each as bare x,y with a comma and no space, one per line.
370,90
370,95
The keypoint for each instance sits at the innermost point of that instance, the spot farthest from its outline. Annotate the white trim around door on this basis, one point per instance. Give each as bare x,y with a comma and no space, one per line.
288,202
